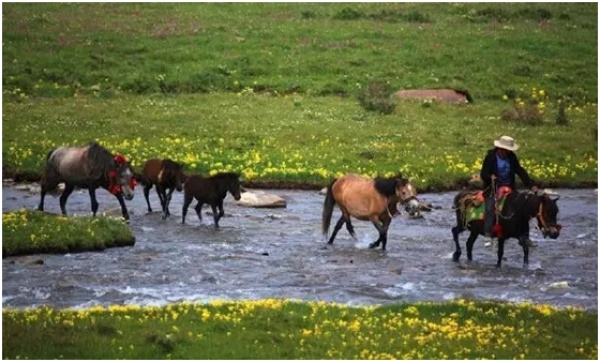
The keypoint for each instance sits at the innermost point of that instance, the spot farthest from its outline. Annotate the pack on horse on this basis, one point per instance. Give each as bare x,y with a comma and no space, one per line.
374,200
212,191
90,167
514,210
167,175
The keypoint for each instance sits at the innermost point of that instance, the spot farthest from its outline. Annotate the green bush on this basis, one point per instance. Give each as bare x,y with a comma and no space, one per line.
377,97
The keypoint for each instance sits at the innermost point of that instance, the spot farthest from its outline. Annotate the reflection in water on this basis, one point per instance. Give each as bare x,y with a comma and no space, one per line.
280,253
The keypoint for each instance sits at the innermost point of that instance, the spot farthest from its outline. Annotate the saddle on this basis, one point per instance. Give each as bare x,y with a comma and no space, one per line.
473,206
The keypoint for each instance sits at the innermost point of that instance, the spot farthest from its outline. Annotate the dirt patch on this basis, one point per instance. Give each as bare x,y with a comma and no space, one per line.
443,95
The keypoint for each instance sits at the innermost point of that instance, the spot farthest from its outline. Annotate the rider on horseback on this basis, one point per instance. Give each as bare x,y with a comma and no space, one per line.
498,169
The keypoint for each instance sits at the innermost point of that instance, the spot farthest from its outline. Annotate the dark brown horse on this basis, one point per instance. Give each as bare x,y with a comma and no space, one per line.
167,176
210,190
513,220
91,166
374,200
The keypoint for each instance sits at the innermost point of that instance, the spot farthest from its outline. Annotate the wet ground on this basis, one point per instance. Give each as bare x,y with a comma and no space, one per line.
280,253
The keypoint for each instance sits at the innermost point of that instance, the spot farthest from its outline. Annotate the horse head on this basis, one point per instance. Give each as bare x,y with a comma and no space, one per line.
234,186
122,179
173,172
407,194
546,215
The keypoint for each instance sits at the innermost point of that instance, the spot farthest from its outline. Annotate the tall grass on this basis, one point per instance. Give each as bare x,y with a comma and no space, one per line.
62,49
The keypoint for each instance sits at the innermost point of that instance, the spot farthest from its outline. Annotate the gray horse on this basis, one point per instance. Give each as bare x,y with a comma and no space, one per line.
90,167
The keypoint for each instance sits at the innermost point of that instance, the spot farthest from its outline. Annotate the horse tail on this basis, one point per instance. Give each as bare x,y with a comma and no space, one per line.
51,175
328,208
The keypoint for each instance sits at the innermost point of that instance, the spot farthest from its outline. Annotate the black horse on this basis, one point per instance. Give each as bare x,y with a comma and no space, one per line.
210,190
167,175
91,166
513,220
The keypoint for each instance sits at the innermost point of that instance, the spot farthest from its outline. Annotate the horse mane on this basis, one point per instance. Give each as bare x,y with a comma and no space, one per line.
386,186
169,164
99,158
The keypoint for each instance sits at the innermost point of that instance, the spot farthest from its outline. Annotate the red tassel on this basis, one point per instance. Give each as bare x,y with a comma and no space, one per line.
497,230
120,159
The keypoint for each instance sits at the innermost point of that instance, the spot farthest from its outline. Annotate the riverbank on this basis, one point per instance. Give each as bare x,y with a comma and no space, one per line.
27,232
461,184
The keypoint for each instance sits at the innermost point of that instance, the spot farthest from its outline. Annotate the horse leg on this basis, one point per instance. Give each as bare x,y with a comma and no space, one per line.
124,212
458,251
187,200
167,200
380,228
216,215
337,228
147,196
350,228
92,192
386,225
161,196
221,211
470,241
524,242
64,196
198,209
49,182
169,195
500,251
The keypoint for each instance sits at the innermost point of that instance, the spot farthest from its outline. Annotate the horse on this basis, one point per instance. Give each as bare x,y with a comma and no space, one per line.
374,200
167,175
516,209
212,191
91,166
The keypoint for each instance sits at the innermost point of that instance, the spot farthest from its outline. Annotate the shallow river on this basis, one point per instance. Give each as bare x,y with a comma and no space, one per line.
280,253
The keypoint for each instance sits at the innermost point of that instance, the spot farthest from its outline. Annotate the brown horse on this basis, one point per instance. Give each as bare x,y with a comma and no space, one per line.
91,166
212,191
167,175
368,199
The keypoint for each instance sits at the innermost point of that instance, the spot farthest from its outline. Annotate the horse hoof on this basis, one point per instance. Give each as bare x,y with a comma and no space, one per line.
456,257
373,245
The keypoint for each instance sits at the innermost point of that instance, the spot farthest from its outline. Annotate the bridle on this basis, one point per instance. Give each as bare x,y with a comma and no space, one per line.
541,221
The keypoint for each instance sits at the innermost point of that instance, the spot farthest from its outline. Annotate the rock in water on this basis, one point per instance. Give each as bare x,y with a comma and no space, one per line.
260,199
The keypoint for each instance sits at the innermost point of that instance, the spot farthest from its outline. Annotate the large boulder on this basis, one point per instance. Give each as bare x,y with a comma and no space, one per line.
261,199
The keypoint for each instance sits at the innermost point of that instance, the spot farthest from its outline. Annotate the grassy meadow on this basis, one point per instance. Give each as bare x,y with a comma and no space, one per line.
270,90
33,232
281,329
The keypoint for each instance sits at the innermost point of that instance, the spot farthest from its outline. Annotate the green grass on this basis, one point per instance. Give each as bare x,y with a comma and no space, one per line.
271,90
300,138
278,329
61,49
33,232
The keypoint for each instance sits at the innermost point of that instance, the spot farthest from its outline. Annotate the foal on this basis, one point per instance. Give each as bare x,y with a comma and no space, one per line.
210,190
167,175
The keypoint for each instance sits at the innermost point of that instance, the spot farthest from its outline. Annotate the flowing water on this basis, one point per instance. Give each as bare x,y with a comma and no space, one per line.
280,253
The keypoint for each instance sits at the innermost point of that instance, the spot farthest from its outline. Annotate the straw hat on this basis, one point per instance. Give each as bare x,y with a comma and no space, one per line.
506,142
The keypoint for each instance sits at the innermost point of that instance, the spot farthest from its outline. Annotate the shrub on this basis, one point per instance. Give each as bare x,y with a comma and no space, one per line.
561,117
376,97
